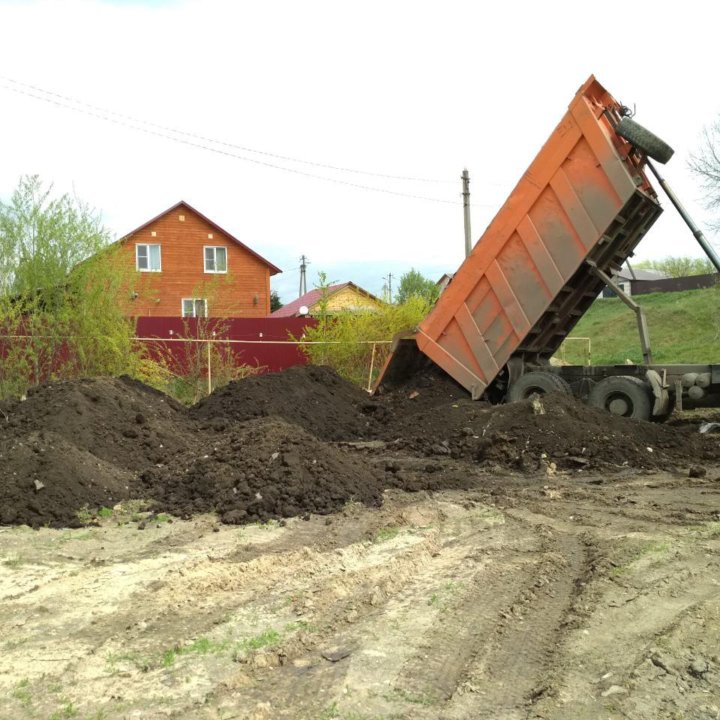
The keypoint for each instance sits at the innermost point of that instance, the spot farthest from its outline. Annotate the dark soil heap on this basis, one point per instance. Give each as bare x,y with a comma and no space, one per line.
46,480
313,397
527,435
259,470
119,420
257,448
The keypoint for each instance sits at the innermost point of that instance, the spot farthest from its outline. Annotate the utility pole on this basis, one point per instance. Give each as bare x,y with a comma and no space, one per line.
387,287
303,282
466,210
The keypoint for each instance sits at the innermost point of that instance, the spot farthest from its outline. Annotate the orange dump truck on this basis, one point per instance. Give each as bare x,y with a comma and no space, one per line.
576,215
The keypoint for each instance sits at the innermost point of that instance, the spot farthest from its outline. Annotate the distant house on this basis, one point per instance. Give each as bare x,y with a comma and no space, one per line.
628,280
342,297
444,281
641,282
188,266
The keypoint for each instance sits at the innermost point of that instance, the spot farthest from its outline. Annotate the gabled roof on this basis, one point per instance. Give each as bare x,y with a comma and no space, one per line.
313,296
626,273
273,269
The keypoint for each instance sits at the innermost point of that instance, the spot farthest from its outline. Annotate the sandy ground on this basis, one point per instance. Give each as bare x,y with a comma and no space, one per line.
555,596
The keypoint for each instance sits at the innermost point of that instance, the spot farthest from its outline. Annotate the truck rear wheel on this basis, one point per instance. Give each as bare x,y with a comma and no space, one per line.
537,382
622,395
644,140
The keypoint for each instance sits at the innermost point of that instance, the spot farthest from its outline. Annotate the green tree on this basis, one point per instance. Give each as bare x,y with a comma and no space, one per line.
678,266
60,285
275,302
413,284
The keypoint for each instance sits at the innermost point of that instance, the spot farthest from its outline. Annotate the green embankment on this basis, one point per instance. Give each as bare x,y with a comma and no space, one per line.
684,328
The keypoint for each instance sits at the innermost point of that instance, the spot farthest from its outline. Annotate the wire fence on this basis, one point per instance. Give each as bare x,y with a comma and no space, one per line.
208,343
208,362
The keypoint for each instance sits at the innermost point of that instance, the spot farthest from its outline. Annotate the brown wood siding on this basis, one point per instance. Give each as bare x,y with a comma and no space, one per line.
244,291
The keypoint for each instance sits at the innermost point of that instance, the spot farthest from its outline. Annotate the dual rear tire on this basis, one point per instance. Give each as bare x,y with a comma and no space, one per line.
622,395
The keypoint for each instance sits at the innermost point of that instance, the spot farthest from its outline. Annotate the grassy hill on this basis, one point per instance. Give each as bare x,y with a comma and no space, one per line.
684,328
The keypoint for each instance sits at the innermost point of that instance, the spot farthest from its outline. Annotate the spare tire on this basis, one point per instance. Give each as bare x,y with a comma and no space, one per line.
537,382
644,140
623,395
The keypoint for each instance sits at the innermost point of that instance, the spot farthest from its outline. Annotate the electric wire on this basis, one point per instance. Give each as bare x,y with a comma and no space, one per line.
192,143
70,102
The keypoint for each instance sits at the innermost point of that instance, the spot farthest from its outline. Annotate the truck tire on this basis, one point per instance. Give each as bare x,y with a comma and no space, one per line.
623,395
537,382
644,140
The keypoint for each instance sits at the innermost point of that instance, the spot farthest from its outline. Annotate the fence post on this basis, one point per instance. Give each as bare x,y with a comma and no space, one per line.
372,364
209,369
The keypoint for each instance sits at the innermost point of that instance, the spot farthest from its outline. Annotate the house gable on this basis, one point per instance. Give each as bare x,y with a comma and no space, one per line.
235,281
341,297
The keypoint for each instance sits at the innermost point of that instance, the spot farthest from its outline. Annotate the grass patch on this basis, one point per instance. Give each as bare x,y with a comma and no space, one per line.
13,562
206,646
12,644
707,531
22,692
105,512
612,329
658,549
385,534
201,646
441,599
67,711
408,697
330,712
266,639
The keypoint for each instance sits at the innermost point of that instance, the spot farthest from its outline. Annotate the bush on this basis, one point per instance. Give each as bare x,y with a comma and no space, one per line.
345,340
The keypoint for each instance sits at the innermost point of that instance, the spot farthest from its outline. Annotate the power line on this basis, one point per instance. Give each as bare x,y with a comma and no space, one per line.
191,143
66,100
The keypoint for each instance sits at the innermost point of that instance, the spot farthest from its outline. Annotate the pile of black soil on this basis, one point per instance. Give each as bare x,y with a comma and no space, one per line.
47,481
314,397
119,420
259,448
260,470
555,428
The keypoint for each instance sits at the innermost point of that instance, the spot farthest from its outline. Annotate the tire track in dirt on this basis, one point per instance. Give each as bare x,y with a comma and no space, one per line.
493,653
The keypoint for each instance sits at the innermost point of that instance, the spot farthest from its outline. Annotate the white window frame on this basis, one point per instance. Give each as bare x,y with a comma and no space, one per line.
194,301
137,257
214,248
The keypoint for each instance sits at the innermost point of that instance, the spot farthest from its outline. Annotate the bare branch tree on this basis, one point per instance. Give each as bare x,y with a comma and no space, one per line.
705,164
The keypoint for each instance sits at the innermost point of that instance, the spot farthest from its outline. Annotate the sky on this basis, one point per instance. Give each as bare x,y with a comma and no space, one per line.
333,129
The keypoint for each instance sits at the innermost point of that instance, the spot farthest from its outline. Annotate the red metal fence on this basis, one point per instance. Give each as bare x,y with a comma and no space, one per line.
266,343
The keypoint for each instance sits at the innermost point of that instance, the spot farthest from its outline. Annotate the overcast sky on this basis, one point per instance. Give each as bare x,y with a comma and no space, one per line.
411,89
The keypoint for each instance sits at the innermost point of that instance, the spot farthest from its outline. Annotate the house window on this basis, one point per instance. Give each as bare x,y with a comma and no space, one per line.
215,259
147,258
194,307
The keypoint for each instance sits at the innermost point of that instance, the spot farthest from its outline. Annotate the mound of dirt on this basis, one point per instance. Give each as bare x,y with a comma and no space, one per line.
46,480
555,428
258,448
314,397
260,470
119,420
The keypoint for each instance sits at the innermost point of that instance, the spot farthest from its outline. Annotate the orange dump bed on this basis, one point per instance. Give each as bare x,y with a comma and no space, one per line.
526,282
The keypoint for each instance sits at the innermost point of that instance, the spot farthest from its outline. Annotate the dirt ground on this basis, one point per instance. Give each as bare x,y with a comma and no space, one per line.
499,562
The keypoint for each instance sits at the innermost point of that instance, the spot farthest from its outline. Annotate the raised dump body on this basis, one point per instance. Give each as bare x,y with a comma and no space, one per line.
527,281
